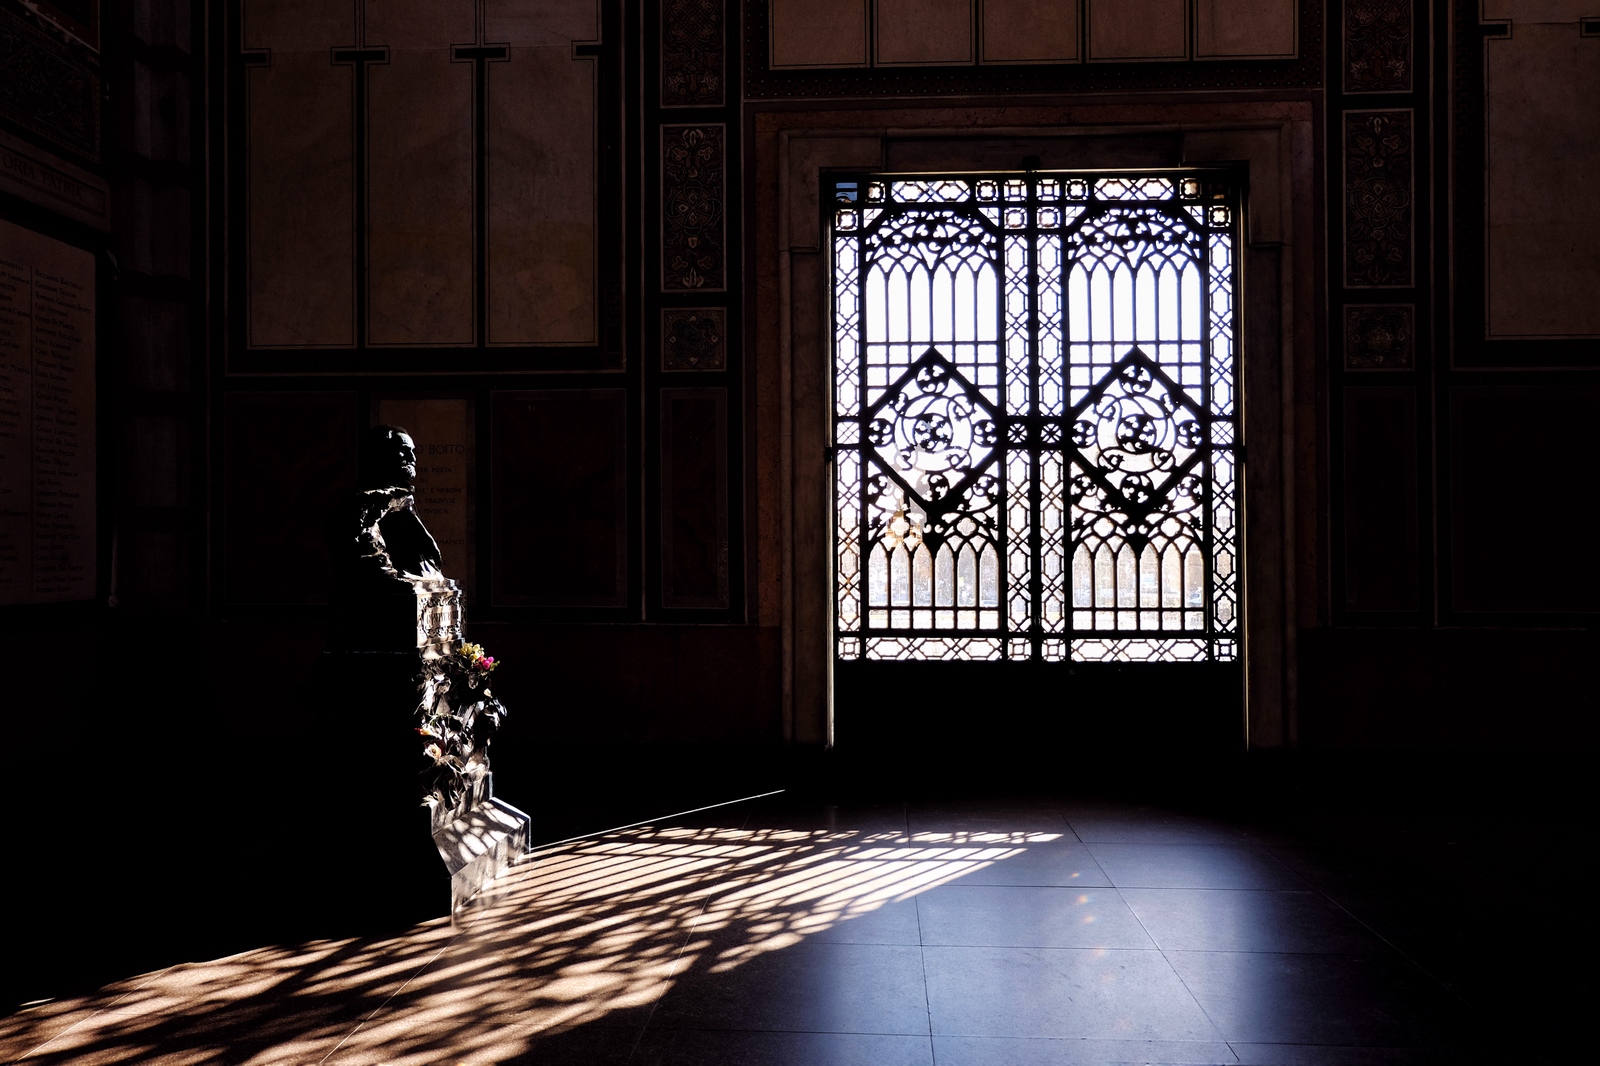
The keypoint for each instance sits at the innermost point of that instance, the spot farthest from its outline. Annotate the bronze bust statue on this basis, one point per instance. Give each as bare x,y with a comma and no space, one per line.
387,570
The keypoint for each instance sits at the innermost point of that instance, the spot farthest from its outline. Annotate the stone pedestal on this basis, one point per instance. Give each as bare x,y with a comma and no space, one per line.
478,839
381,640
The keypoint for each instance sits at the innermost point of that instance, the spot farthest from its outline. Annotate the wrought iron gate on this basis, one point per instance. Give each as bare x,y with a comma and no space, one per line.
1035,420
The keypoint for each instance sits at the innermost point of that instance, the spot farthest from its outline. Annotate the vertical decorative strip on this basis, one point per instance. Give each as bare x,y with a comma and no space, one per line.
692,223
692,53
1377,198
1377,46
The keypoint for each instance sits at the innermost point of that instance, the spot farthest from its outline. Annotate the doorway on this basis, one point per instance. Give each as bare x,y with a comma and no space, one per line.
1036,461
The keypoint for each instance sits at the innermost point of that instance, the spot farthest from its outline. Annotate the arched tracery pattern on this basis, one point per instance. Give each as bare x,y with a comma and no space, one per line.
1034,419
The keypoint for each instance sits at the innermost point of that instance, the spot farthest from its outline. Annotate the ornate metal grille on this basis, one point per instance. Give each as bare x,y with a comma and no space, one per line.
1034,424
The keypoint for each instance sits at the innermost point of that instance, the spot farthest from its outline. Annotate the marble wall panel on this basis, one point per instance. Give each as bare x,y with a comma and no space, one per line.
1123,30
1377,46
543,169
694,498
560,536
1244,29
1381,569
1523,461
300,200
1029,31
420,175
289,459
923,32
297,25
818,33
1542,269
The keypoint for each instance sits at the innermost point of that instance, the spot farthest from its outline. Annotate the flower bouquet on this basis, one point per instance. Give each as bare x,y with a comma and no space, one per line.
456,717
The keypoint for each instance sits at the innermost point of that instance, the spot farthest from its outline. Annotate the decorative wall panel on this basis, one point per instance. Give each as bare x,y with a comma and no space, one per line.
300,175
542,172
693,53
1379,336
923,32
560,536
288,459
48,89
819,33
693,233
1380,499
1377,46
694,339
1028,31
1377,198
694,498
419,174
1123,30
1541,82
1234,29
1534,449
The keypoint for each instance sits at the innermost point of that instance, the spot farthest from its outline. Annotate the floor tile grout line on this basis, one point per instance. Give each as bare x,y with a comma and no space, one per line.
688,933
389,999
108,1008
922,958
1164,958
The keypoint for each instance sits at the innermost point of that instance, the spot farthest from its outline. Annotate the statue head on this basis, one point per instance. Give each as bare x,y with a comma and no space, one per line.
388,458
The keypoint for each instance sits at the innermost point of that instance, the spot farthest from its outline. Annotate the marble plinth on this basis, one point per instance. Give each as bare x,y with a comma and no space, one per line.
478,839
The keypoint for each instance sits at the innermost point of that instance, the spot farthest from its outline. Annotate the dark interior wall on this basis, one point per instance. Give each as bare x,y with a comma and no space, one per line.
1434,437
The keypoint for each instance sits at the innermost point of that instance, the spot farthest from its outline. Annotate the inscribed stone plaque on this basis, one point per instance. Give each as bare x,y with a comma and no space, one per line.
446,460
289,460
47,419
560,535
694,498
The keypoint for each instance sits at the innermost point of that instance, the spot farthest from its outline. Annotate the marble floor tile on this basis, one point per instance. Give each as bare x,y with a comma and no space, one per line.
1016,916
1060,993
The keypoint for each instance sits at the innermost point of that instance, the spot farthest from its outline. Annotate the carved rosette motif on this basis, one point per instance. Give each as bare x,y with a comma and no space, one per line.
692,51
1377,198
694,339
692,207
1379,336
1377,46
47,89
